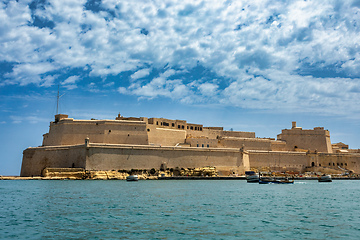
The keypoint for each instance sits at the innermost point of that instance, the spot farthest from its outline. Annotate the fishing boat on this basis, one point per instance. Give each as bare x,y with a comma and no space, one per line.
132,178
252,177
325,178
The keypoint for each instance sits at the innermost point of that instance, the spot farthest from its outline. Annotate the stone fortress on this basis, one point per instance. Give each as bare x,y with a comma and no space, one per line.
157,143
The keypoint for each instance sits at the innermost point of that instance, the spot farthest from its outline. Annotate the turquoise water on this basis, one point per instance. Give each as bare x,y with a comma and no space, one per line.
179,209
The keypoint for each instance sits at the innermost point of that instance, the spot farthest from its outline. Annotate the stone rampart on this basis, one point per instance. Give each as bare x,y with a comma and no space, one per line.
278,161
106,157
102,157
71,132
35,160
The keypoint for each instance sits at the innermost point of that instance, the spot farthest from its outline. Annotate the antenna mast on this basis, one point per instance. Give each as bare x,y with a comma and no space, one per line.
58,99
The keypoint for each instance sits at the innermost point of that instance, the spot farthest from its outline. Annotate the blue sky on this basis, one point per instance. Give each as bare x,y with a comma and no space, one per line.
246,65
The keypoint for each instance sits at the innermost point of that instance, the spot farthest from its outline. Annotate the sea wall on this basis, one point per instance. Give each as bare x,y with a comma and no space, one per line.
278,161
100,157
92,156
304,161
35,160
337,161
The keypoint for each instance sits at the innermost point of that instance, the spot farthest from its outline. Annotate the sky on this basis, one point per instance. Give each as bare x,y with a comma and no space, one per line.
251,65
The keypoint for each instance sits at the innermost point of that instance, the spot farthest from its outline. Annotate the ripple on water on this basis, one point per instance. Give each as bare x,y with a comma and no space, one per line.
178,209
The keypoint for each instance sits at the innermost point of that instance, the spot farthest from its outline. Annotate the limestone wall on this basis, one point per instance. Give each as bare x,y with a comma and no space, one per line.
138,157
70,132
248,143
278,161
300,161
278,146
202,142
317,139
164,136
238,134
36,159
343,161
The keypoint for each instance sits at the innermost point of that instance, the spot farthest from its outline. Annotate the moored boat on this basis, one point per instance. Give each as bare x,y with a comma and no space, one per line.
252,177
132,178
275,181
325,178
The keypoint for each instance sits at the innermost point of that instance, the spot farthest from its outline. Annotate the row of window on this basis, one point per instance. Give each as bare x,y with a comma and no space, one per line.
202,145
337,164
179,126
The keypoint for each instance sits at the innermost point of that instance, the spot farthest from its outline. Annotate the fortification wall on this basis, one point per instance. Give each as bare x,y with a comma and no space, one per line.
343,161
202,142
248,143
238,134
278,146
317,139
300,161
36,159
211,133
165,136
127,157
141,157
70,132
278,161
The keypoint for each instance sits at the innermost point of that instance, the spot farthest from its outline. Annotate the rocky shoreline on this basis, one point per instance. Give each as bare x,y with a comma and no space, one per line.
143,177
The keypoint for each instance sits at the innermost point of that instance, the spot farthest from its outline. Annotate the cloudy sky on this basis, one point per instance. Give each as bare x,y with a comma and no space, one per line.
246,65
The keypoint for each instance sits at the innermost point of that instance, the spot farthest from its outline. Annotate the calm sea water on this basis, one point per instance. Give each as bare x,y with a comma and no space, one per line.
179,209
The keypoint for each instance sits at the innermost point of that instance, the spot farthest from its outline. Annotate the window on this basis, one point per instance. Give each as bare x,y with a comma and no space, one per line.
109,131
201,129
197,145
182,127
173,124
191,128
202,145
207,145
157,123
187,127
178,126
148,129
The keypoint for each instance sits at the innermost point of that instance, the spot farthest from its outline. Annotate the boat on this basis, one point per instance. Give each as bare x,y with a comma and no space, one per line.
267,180
132,178
252,177
325,178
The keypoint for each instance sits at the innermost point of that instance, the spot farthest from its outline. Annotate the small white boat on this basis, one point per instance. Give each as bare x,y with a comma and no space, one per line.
325,178
132,178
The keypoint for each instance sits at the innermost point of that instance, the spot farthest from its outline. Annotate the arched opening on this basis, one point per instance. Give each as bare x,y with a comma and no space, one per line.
312,164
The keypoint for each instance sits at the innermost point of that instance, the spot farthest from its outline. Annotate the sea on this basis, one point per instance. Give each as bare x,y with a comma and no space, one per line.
178,209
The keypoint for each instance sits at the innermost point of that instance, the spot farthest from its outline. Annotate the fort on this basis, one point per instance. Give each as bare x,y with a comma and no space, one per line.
128,143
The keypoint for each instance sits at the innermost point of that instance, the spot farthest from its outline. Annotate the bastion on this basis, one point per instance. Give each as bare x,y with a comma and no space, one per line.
128,143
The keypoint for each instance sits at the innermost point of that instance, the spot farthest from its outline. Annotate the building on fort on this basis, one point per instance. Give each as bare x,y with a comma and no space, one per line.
157,143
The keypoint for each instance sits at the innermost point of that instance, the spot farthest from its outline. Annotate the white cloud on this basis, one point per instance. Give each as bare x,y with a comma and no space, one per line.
70,80
140,74
30,119
259,47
